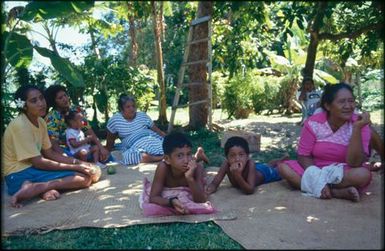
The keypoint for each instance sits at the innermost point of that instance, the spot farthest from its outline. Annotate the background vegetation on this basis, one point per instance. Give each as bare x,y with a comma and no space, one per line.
261,51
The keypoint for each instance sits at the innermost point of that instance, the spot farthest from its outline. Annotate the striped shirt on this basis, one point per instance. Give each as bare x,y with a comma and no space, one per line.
136,136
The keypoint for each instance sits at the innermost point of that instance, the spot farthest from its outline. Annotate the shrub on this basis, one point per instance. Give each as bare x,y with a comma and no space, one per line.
265,91
372,90
218,81
237,96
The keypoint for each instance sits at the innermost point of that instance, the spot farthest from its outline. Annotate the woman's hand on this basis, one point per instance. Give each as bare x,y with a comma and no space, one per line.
104,153
363,119
86,168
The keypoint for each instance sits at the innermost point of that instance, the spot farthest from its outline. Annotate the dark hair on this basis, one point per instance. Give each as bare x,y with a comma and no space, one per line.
50,94
306,79
70,116
22,92
330,93
123,98
175,140
236,141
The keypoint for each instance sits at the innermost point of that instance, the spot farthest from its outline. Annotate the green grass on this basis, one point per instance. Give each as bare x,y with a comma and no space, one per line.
205,235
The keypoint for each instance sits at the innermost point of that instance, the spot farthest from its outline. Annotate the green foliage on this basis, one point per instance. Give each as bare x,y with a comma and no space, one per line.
109,77
19,49
265,93
37,11
237,95
218,82
9,110
63,66
347,17
239,36
210,142
372,90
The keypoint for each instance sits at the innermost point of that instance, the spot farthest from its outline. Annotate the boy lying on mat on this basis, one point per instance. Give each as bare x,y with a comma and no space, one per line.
178,185
241,170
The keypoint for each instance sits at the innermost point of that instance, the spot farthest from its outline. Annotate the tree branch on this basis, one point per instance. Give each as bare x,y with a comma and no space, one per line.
351,35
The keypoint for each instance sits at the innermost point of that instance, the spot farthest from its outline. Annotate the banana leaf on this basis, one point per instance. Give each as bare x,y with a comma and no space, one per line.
63,66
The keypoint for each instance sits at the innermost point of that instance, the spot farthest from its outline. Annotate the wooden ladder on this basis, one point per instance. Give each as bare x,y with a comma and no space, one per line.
185,64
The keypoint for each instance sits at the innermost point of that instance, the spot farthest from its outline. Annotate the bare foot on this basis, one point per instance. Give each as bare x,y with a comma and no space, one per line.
50,195
27,191
326,193
20,194
200,155
375,166
348,193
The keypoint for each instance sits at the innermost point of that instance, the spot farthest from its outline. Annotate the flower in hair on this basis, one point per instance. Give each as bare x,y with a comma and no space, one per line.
19,103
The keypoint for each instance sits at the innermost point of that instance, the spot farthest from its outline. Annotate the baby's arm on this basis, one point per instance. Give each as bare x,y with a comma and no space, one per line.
247,186
76,144
212,187
194,177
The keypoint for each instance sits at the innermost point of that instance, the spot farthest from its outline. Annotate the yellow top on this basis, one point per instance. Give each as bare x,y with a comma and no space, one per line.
23,140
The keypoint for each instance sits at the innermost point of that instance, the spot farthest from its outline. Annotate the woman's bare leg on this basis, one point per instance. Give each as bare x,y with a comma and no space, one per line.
289,175
29,190
147,158
347,193
356,177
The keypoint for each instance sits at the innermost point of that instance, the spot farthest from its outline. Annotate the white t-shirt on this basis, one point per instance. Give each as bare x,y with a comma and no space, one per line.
78,135
312,101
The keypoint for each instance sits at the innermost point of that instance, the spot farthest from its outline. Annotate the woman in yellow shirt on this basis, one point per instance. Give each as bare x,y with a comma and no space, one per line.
30,166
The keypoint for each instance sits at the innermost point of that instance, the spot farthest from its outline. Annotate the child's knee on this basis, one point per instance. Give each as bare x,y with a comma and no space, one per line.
87,181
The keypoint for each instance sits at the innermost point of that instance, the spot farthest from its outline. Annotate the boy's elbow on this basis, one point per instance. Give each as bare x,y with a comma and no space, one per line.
248,191
202,199
151,199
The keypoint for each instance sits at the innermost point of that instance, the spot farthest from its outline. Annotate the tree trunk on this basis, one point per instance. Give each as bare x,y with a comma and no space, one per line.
348,76
161,22
198,114
162,120
134,44
314,39
97,53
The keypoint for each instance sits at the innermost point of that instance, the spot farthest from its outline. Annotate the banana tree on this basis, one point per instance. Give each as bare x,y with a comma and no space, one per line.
17,49
291,66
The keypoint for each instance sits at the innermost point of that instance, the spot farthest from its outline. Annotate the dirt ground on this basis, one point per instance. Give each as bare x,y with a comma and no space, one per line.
280,132
338,224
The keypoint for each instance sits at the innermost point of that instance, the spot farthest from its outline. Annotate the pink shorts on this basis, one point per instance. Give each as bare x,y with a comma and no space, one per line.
296,167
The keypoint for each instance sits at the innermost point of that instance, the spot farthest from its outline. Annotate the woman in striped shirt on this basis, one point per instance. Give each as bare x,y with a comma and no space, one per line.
141,139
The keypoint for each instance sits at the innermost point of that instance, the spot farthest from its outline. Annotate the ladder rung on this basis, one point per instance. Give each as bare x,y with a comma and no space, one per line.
196,62
192,83
200,20
193,103
199,41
